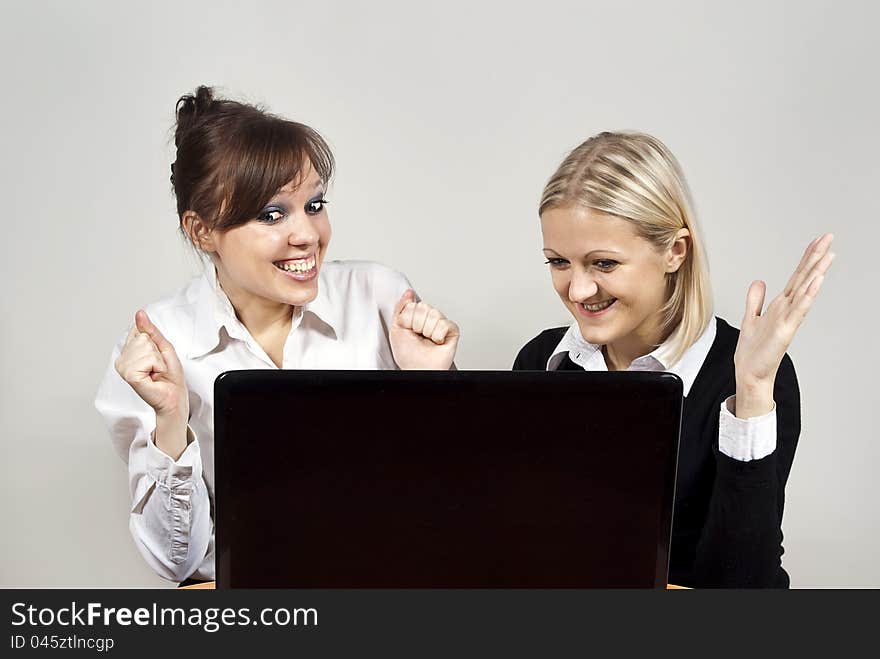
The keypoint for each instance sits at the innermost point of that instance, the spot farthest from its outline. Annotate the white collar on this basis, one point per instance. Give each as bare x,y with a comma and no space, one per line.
214,312
589,356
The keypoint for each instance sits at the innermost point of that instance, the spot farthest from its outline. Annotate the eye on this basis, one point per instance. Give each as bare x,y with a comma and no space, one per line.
271,215
555,262
315,206
606,265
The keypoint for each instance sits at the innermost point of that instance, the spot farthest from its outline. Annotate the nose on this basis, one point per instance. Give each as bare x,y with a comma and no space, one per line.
582,286
303,233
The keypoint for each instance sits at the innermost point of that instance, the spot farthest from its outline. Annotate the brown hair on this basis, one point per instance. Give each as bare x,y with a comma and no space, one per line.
233,157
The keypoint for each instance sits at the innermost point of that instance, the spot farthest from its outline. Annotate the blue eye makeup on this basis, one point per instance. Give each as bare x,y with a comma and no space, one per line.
272,214
315,205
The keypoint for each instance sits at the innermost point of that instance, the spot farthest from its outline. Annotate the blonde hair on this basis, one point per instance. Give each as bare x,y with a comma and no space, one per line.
634,176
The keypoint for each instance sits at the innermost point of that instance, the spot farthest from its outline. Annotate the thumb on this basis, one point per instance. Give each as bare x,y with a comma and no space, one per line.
145,325
408,296
754,302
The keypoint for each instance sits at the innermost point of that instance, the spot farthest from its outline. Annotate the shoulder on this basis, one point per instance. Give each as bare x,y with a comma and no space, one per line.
726,335
177,311
720,355
362,277
174,315
533,355
364,288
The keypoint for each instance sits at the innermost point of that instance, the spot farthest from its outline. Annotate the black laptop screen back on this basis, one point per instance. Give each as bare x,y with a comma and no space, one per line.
383,479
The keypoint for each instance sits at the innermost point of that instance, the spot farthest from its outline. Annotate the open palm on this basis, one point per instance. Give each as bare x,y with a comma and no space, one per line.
765,337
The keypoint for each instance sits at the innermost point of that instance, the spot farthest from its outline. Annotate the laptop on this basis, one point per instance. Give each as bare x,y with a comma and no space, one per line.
461,479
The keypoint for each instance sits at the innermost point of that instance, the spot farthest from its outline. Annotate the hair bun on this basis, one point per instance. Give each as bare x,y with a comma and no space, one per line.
190,109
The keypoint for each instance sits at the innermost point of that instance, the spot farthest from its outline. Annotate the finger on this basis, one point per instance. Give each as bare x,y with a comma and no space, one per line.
814,253
141,344
444,331
405,318
754,302
434,316
800,266
438,336
420,315
136,349
814,287
804,298
818,269
142,351
156,366
145,325
148,366
805,303
409,295
165,347
133,332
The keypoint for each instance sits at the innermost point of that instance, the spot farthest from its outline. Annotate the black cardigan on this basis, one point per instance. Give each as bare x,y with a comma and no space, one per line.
726,529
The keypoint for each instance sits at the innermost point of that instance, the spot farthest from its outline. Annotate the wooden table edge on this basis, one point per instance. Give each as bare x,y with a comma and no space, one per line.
211,585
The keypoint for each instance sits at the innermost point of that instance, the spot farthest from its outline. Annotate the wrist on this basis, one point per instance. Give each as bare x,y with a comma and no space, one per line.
753,399
171,436
174,411
169,417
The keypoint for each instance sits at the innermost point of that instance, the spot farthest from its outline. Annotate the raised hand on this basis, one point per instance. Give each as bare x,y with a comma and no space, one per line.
422,337
765,337
150,365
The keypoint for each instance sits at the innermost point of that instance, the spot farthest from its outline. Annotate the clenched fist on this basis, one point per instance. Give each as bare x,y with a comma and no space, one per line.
150,365
421,336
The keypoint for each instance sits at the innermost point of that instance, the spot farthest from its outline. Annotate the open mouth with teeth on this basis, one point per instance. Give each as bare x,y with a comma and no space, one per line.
301,269
597,307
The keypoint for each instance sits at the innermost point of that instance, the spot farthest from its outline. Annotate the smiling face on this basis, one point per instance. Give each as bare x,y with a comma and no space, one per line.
613,281
275,258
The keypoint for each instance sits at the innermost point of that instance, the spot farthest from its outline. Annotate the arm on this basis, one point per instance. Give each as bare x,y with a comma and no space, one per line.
170,510
170,518
741,542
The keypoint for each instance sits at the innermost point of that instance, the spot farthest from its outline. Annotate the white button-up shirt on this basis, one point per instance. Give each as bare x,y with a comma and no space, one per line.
741,439
345,327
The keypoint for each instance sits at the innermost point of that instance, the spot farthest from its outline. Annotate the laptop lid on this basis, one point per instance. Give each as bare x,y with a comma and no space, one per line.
381,479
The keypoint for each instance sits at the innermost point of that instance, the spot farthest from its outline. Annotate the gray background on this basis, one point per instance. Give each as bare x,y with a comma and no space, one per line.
446,121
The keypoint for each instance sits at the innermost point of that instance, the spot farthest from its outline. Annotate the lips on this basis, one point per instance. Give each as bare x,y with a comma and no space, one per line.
599,306
594,309
297,265
300,269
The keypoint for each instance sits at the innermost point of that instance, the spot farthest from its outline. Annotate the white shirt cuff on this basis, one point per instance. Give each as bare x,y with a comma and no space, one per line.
175,474
746,439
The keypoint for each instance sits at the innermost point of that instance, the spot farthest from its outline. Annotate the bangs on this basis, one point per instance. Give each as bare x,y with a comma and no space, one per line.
266,154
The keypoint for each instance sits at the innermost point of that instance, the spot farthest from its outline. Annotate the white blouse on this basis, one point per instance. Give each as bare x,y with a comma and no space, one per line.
345,327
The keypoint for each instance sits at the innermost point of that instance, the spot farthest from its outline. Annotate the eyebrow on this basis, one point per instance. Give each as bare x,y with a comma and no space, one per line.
319,185
588,254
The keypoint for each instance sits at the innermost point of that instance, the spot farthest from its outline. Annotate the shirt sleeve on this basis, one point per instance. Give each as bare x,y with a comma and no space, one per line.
746,439
170,518
388,286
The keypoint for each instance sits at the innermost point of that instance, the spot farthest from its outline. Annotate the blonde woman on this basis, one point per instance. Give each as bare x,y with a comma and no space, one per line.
625,257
